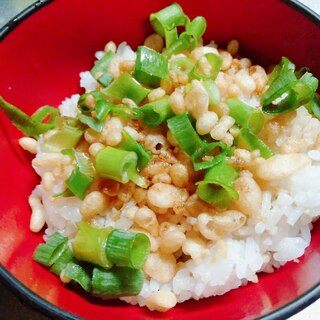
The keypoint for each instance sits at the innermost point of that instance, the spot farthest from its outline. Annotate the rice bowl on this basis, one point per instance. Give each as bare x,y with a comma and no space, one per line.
261,244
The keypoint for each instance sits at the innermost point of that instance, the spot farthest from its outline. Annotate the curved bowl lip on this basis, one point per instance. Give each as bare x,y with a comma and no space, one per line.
56,312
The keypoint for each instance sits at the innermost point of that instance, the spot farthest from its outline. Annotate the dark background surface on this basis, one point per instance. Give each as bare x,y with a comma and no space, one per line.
12,308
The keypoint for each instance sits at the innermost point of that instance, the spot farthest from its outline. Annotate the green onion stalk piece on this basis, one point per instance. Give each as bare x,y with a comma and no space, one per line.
208,161
184,133
245,115
127,112
78,183
184,42
166,21
66,135
90,245
65,257
31,126
81,176
215,63
78,274
48,253
313,106
116,282
128,249
196,28
100,69
129,144
119,165
217,186
102,108
182,65
281,77
150,67
293,92
251,142
213,92
126,87
156,112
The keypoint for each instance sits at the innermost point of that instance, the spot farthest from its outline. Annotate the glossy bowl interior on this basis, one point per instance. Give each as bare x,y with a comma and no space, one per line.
40,61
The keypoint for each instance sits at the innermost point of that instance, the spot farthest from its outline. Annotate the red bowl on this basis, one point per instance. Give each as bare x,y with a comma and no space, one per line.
40,61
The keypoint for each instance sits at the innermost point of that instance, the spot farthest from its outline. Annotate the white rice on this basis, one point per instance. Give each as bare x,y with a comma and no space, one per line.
279,233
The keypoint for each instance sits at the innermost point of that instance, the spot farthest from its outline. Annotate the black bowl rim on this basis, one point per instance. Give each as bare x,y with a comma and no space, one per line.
54,311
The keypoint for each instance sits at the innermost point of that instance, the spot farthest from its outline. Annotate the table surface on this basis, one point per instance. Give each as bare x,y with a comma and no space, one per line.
11,308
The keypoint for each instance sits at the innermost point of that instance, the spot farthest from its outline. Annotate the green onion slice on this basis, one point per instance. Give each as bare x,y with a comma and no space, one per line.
280,79
182,43
184,133
127,249
150,67
117,282
156,112
78,274
78,183
216,188
90,244
129,144
32,126
126,87
166,21
196,27
48,253
292,92
100,69
119,165
64,258
66,134
251,142
206,160
209,61
245,115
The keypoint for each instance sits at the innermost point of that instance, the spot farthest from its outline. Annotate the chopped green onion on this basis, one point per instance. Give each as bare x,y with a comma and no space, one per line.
184,133
196,27
119,165
156,112
78,274
182,65
216,188
65,257
126,87
78,183
251,142
94,124
166,21
66,135
184,42
245,115
129,144
150,67
208,161
127,249
100,69
292,92
201,70
48,253
90,244
127,112
213,91
117,282
30,126
280,79
314,106
81,177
